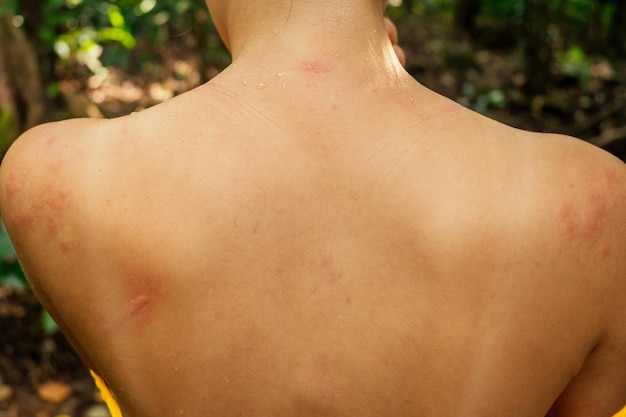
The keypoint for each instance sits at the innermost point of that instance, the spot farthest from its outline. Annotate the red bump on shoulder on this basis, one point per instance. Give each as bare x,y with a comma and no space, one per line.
15,184
51,141
585,218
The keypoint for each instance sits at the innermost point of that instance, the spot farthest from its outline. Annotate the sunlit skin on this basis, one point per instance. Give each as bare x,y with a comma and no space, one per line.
314,233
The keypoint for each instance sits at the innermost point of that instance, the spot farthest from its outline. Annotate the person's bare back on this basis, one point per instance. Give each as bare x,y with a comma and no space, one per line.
297,240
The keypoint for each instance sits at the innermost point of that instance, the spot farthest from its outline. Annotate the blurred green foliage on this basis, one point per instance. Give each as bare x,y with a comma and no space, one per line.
90,31
11,274
101,33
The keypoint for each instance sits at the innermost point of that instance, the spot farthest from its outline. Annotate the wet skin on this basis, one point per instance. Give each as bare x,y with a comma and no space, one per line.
291,239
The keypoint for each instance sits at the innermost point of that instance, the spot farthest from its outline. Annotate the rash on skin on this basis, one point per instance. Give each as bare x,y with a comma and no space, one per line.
586,221
14,185
46,212
330,274
21,211
141,293
315,67
583,219
40,206
56,206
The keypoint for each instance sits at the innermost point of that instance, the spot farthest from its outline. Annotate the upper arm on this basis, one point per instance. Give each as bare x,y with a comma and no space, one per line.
599,389
41,192
39,196
32,186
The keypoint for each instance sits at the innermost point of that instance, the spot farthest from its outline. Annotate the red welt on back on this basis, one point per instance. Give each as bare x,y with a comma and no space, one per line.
583,221
315,67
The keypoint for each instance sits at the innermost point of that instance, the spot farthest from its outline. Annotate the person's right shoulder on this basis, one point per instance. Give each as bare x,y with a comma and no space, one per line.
48,146
40,170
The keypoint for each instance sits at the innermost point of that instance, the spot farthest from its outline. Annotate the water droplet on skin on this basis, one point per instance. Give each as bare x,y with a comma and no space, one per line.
245,82
280,74
261,86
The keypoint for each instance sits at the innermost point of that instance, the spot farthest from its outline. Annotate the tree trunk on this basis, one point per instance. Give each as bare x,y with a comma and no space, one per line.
595,27
617,34
465,15
538,49
21,89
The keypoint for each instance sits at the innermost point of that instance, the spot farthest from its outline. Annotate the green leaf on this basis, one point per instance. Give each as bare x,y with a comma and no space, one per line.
117,35
48,324
116,18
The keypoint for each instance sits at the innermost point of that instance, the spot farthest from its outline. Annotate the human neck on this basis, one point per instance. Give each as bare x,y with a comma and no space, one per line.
312,35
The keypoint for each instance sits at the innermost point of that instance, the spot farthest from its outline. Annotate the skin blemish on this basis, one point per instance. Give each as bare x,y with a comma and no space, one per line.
56,165
56,207
52,141
328,272
583,221
15,182
24,219
593,215
143,290
606,251
609,177
65,246
139,291
317,67
137,305
332,273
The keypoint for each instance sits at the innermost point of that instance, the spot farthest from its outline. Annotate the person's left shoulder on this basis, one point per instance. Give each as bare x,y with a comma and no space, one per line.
587,206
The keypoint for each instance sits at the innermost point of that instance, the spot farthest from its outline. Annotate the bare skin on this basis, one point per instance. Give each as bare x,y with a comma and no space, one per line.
315,233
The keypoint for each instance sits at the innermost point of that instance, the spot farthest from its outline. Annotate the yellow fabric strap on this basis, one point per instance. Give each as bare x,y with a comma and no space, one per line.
621,413
108,398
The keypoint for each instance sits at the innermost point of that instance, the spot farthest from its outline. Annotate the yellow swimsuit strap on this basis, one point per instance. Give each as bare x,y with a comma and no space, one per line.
108,398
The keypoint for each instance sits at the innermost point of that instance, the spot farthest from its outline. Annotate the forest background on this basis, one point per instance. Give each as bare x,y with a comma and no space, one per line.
542,65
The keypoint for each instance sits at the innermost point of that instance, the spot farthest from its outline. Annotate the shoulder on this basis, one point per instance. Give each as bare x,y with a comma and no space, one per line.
589,184
586,206
44,145
42,176
583,190
44,153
